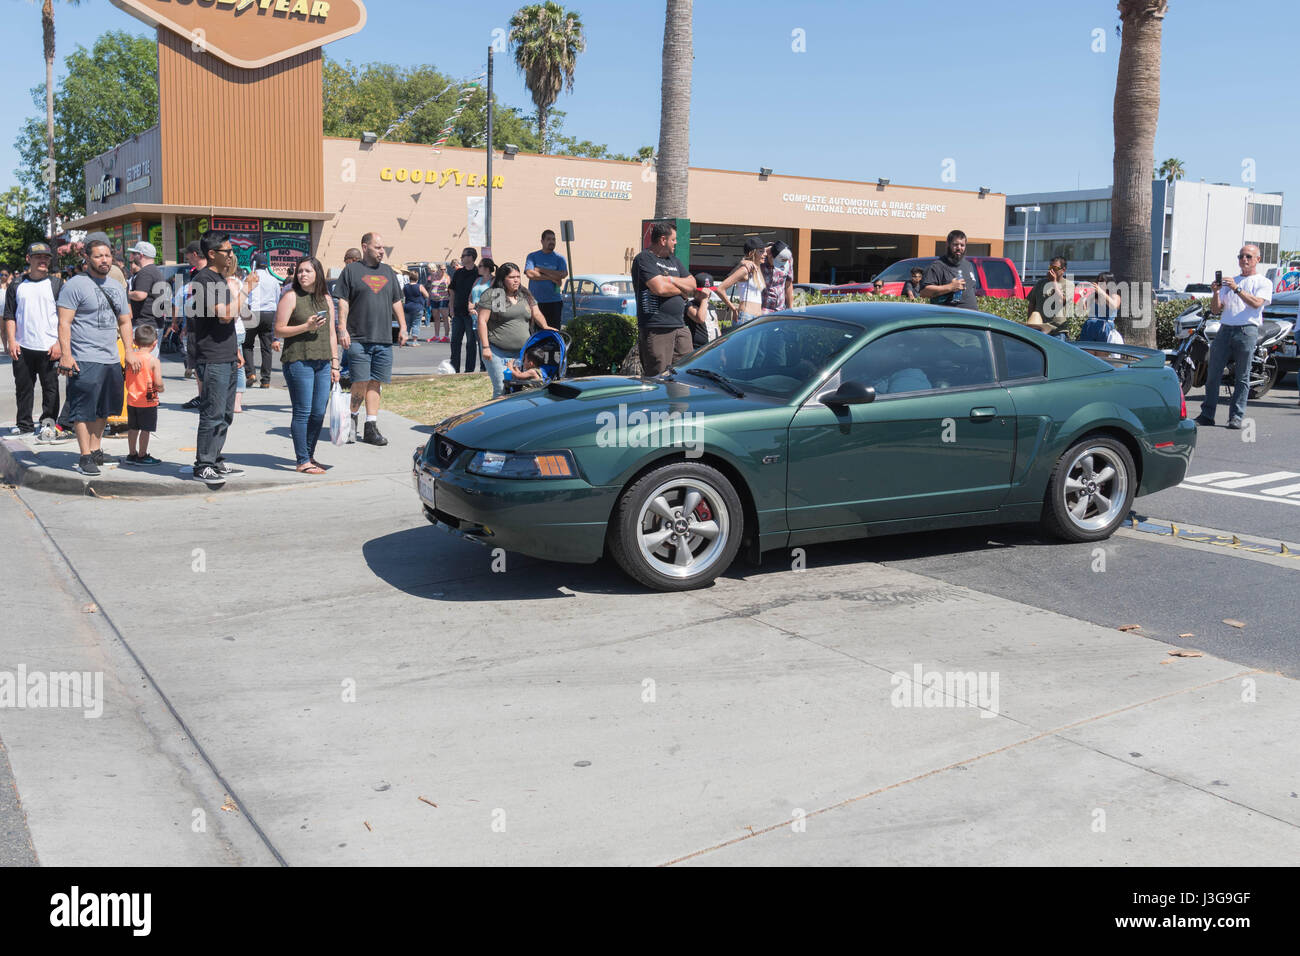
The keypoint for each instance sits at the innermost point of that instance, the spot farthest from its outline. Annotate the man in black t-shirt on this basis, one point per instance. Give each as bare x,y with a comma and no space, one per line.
950,279
212,308
146,287
662,287
370,297
462,322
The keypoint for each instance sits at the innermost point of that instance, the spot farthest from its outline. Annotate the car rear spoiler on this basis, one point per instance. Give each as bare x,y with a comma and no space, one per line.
1130,356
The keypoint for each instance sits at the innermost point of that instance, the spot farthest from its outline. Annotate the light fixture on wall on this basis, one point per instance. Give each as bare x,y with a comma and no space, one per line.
881,183
510,151
764,172
369,139
984,191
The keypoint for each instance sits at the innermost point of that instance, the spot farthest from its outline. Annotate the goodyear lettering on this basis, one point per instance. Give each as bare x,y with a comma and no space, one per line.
438,178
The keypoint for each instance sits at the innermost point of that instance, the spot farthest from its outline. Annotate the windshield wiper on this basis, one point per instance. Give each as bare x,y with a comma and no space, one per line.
722,380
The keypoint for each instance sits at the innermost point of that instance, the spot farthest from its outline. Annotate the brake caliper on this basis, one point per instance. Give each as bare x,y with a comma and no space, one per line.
702,512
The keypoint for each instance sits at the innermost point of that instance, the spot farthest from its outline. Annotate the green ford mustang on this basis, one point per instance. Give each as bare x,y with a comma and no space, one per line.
841,422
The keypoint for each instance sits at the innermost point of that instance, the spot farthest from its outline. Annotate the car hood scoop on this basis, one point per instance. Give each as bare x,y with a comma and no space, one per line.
603,386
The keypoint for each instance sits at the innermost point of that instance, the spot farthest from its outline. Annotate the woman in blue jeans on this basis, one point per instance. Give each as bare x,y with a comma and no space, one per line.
310,357
505,312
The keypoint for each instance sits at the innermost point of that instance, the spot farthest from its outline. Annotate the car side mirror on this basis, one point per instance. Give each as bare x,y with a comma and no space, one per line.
849,393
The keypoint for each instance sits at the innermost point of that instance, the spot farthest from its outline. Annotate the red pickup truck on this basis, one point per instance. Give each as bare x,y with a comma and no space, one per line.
997,277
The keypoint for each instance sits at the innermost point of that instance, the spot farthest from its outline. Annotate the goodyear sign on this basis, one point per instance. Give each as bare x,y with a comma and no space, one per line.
252,33
439,178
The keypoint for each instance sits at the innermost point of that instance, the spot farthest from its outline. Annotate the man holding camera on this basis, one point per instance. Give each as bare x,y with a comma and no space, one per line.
1239,302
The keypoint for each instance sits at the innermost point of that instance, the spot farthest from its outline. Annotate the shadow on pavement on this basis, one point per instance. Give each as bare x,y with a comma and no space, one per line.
429,563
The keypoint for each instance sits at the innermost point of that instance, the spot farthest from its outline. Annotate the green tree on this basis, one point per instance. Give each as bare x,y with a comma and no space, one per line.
17,229
672,165
1170,170
109,94
375,96
1136,109
547,40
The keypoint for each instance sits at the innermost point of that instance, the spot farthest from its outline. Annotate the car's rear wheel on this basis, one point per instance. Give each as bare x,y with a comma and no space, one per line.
1091,490
677,527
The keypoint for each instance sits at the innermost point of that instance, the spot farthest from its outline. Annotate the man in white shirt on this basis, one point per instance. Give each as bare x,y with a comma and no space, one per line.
1240,304
262,302
31,327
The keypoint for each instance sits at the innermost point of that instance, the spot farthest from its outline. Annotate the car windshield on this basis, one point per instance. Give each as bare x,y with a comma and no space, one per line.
775,357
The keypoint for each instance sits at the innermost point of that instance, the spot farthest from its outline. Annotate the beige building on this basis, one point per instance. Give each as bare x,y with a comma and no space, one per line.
840,231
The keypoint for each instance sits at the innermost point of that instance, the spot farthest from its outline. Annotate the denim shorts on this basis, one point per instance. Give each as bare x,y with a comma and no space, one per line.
95,392
371,361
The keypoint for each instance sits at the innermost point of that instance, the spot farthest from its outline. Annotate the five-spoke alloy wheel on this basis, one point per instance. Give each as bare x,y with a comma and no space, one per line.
1091,490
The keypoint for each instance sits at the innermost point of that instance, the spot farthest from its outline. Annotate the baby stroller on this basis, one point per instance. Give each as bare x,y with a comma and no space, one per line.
554,346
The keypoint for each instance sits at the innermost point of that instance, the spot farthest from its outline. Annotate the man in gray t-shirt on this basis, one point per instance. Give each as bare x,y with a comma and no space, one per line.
93,314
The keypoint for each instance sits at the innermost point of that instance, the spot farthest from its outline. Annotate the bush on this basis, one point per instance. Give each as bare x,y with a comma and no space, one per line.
601,340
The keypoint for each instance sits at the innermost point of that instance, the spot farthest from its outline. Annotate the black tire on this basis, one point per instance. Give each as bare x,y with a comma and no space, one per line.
1185,374
1094,522
659,549
1271,376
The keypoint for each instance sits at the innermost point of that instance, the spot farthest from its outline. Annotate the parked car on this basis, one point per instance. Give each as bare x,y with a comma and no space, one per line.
997,277
1199,289
1171,295
598,293
793,430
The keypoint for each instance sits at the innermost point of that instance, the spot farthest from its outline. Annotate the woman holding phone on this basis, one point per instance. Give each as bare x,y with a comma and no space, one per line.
310,357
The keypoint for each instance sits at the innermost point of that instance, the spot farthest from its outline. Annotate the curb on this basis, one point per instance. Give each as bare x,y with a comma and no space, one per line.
21,467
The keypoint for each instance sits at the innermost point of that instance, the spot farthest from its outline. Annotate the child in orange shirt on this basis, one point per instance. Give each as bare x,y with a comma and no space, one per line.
142,389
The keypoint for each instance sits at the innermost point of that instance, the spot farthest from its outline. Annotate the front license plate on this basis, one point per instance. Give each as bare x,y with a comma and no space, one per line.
424,482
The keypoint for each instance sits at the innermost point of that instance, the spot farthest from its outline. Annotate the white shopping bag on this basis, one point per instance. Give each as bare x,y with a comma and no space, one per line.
445,368
340,414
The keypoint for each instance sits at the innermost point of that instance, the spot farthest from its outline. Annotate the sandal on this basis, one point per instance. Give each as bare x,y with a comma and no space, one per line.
311,468
319,465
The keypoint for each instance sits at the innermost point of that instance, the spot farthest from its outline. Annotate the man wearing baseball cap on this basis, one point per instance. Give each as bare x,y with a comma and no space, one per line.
147,287
31,337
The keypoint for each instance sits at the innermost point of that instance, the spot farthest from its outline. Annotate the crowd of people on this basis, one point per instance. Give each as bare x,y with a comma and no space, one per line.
101,327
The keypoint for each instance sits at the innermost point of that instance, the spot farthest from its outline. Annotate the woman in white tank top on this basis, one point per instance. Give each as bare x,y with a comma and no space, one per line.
747,277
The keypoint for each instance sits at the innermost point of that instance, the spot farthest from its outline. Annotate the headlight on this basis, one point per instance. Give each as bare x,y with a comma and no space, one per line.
544,464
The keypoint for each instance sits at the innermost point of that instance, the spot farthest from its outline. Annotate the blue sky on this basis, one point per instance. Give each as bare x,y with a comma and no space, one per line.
1011,91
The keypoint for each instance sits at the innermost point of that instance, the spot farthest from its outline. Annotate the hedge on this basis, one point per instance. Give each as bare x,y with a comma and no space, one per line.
601,339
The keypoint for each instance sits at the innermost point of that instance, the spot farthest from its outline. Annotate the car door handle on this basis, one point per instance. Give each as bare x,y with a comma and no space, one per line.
987,411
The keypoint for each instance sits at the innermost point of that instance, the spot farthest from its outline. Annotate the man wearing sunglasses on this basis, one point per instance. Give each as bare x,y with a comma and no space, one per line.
213,308
1239,302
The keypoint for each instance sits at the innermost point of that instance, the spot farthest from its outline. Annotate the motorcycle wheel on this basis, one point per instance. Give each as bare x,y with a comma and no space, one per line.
1185,375
1267,380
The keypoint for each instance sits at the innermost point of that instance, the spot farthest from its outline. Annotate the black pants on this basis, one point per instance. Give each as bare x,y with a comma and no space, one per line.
462,330
262,330
552,312
32,367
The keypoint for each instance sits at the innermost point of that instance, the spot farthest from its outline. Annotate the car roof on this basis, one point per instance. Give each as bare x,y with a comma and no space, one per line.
603,277
883,317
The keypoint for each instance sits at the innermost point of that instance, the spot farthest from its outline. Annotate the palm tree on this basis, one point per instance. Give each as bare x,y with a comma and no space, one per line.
547,40
672,168
1170,170
47,35
1137,107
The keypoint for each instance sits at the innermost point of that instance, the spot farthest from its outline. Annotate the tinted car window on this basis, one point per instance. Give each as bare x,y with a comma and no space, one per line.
900,271
774,357
998,274
1019,359
918,360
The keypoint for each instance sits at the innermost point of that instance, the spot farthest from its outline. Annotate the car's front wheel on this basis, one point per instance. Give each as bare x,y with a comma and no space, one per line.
1091,490
677,527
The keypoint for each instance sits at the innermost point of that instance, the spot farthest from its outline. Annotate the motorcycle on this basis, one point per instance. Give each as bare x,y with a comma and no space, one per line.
1190,358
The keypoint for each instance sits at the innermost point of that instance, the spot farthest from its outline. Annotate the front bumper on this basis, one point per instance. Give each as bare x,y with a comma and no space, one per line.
551,519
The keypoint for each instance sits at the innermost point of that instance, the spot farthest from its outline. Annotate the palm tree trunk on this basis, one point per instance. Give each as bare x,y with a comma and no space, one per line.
541,128
47,33
672,167
1137,108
